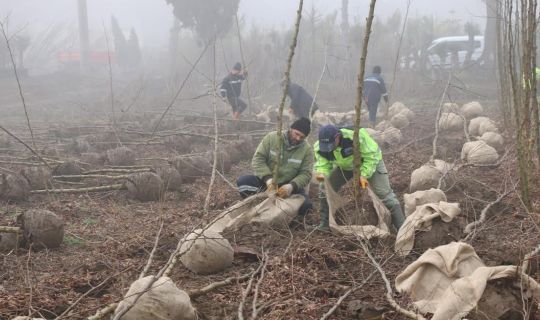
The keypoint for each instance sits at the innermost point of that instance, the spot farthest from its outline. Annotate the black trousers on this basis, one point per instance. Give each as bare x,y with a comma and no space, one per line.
250,184
237,104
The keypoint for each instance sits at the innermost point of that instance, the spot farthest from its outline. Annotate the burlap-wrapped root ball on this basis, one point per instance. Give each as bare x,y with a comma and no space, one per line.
172,179
192,167
478,152
428,176
383,125
493,139
79,146
121,156
396,108
41,229
206,252
418,198
9,241
13,187
407,113
450,107
38,177
93,158
479,126
144,186
376,135
68,168
400,121
450,122
163,301
223,163
392,136
472,110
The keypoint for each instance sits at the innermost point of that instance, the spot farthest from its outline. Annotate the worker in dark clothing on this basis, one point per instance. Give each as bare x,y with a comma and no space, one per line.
301,101
374,89
231,87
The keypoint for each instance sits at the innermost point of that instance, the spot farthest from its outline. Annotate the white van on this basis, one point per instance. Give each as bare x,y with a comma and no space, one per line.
453,51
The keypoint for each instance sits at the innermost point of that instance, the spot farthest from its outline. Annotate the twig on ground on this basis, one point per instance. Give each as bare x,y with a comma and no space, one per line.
151,256
248,290
27,146
434,151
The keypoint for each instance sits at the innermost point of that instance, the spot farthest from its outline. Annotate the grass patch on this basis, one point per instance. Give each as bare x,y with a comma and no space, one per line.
73,241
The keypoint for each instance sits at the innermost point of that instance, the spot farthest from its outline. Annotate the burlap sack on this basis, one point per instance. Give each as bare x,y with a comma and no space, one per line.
399,121
479,153
206,252
428,176
407,113
162,300
392,136
421,219
335,202
41,228
450,107
449,280
383,125
472,110
376,135
396,108
171,178
480,125
271,212
493,139
418,198
450,122
121,156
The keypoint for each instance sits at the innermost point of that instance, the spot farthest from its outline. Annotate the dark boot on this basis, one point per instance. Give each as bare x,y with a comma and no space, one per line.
325,213
397,216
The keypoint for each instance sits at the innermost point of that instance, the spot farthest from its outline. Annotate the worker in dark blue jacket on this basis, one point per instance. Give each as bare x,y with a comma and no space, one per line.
374,89
231,87
301,101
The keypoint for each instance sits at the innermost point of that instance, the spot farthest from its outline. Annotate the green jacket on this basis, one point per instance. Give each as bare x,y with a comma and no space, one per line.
342,157
296,163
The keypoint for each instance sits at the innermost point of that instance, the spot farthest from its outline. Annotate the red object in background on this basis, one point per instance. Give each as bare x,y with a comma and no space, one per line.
94,56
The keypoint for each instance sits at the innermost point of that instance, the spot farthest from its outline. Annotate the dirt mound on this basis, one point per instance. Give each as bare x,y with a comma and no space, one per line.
144,186
38,177
122,156
41,229
441,233
172,179
14,187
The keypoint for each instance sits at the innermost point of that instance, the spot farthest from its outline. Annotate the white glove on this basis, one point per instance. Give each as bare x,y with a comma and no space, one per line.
269,185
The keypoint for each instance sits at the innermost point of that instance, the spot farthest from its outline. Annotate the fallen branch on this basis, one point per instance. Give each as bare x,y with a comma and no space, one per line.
10,229
215,285
151,256
90,176
27,146
248,290
81,190
526,260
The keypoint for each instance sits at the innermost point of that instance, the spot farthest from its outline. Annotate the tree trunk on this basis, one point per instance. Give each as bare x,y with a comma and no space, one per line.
490,40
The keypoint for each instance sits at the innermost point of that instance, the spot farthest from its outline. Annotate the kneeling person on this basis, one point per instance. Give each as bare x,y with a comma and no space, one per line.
295,165
334,160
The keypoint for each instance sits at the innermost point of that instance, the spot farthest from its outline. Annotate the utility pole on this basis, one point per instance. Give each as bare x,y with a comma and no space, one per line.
83,34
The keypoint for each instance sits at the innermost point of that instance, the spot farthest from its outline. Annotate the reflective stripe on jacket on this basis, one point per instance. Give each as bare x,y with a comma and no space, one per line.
342,157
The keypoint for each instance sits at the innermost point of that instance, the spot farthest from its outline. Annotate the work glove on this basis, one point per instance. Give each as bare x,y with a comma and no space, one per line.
269,185
363,182
319,177
285,191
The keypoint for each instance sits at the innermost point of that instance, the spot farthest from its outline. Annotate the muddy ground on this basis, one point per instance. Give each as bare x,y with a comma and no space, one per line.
109,236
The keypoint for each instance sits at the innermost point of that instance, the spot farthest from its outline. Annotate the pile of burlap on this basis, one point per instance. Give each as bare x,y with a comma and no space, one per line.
418,198
383,125
493,139
480,125
335,118
479,153
171,178
335,202
400,121
271,212
163,301
206,252
13,187
38,177
144,186
472,110
448,282
420,220
428,175
121,156
392,136
41,229
450,122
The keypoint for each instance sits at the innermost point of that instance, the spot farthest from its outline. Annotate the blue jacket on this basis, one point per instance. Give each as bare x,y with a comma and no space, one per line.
374,89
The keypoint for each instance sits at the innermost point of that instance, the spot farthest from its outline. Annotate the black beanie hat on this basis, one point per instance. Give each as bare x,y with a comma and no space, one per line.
237,66
303,125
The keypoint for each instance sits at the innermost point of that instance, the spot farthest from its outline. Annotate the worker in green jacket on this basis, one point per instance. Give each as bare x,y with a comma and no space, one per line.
334,161
295,165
